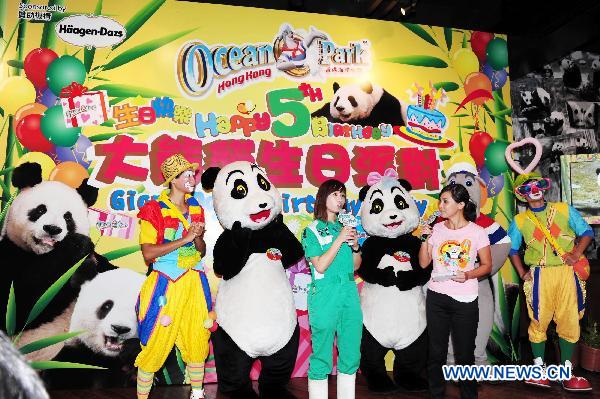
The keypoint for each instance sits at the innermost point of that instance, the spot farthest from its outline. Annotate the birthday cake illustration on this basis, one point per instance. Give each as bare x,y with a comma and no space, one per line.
425,125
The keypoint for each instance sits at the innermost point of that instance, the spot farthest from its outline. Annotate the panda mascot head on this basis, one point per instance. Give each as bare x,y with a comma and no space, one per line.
388,210
242,195
45,212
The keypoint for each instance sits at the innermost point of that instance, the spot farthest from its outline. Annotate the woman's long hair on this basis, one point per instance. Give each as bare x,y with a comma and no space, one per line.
326,188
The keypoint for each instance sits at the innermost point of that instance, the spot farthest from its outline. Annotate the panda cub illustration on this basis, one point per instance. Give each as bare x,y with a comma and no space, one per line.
363,104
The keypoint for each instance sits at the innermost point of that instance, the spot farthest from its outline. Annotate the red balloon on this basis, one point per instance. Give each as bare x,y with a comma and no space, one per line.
30,134
477,146
35,65
479,42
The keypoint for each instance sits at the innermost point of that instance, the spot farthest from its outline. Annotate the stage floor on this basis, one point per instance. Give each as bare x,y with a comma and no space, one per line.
509,390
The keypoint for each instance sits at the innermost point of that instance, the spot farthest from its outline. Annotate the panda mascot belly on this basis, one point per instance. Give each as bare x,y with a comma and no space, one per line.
392,297
254,304
404,319
261,288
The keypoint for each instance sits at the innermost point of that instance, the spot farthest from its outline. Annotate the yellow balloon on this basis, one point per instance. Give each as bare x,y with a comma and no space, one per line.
44,160
15,92
465,61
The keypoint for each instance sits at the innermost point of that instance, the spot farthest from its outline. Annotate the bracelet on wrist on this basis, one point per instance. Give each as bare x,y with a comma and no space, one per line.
357,250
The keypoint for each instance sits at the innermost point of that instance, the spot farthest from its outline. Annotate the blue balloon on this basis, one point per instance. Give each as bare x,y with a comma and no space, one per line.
48,98
494,184
76,153
498,78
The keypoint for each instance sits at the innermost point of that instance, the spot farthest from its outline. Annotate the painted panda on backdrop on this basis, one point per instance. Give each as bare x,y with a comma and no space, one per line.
255,307
363,104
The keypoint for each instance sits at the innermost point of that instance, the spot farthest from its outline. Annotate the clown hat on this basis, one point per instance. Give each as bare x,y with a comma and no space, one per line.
174,165
522,179
463,162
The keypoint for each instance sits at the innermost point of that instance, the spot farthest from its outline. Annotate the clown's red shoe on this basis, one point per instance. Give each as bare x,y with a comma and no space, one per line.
542,383
577,384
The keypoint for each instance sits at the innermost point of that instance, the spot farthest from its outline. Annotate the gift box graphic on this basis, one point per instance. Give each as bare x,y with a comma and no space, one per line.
112,224
82,107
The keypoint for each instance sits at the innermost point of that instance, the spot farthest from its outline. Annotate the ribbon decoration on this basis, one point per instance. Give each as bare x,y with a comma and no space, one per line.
374,177
73,90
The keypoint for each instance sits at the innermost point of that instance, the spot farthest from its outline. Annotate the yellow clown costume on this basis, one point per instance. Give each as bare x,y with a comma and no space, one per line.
175,299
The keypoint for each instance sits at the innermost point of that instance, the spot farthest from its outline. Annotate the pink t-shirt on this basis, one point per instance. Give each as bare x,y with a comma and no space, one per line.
455,250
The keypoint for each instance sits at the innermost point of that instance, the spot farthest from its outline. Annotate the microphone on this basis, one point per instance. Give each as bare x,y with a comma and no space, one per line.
430,221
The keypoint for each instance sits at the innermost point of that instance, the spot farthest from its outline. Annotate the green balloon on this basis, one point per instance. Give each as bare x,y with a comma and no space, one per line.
63,71
54,128
497,54
495,162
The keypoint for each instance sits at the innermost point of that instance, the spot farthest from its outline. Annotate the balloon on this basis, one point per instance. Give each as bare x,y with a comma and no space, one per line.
70,173
29,134
44,160
477,146
15,92
29,109
464,62
35,65
494,184
76,153
479,42
497,53
477,81
48,98
498,78
55,130
63,71
495,162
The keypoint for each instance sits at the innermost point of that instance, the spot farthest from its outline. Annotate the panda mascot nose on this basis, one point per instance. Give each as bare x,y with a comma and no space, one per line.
52,229
393,217
263,205
120,329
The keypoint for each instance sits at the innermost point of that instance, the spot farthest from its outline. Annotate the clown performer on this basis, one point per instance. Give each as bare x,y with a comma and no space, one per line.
174,302
462,170
554,285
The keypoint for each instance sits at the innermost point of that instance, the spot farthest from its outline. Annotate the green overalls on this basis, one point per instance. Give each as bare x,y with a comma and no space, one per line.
333,304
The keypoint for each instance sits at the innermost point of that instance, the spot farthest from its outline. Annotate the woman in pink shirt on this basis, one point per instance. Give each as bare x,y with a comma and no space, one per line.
453,245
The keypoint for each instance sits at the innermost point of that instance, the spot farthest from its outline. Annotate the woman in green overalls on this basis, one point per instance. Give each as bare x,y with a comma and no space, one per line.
333,302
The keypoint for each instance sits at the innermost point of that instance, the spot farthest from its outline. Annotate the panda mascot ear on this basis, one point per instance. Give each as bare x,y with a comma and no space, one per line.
362,194
27,174
405,184
336,87
208,178
367,87
88,193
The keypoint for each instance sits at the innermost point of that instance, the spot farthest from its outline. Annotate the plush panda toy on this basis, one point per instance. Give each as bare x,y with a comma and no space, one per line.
392,297
254,305
45,233
363,104
105,312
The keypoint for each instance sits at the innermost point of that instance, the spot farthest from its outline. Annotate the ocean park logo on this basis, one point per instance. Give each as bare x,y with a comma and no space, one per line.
294,54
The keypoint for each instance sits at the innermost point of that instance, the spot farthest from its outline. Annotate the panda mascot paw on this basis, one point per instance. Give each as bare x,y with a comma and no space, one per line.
46,232
392,298
255,309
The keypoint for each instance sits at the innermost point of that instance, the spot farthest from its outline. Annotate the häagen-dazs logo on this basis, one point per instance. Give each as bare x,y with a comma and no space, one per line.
294,54
90,31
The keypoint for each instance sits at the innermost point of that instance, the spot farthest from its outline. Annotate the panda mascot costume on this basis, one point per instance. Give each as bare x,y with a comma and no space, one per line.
392,298
46,232
254,305
363,104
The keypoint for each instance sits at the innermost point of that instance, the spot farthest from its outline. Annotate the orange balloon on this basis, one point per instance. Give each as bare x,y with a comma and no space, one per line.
477,81
28,109
70,173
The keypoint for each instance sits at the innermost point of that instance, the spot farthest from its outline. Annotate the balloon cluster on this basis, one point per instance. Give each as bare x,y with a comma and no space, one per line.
483,66
38,115
488,155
